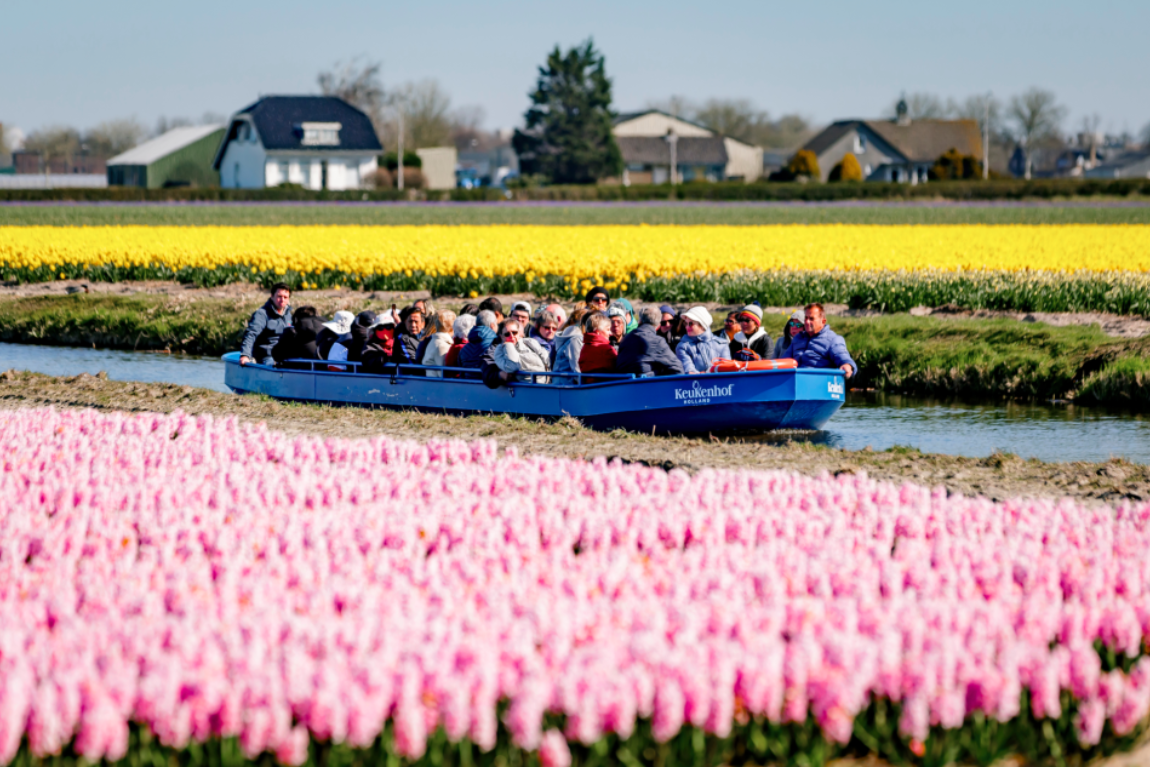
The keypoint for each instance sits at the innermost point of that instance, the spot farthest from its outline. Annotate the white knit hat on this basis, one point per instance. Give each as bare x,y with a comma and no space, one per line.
700,315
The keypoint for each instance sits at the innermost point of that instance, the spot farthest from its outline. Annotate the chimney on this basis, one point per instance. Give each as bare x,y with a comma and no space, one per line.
902,112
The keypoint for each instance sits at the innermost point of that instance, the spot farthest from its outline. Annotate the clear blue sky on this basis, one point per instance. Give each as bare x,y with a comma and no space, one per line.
80,63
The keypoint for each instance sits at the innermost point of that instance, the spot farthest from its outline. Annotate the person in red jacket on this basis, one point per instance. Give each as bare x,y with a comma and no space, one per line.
598,356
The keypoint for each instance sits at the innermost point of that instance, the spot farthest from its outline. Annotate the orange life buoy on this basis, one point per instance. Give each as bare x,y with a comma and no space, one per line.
737,366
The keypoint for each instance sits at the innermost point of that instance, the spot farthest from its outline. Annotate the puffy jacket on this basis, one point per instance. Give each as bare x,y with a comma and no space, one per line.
781,346
644,352
264,331
299,342
479,341
759,343
597,355
435,354
527,356
825,349
568,345
697,352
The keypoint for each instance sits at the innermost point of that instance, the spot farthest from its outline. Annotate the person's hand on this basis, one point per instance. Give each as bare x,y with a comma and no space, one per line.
245,360
505,375
848,371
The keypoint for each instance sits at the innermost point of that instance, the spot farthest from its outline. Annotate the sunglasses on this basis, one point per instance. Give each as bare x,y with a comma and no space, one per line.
598,300
664,322
549,327
511,334
731,321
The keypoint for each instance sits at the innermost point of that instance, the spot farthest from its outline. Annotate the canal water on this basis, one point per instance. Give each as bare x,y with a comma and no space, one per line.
1062,432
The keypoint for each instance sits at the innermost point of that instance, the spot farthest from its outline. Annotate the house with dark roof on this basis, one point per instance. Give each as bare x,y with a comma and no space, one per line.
318,142
1127,165
894,150
700,153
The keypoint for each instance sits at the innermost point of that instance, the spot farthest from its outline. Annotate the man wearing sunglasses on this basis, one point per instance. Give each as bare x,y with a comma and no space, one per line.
598,298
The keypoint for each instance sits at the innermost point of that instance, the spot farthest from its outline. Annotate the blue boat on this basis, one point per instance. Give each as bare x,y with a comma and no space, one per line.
714,403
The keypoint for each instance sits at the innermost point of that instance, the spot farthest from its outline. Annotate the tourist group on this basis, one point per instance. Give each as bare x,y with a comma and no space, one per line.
600,336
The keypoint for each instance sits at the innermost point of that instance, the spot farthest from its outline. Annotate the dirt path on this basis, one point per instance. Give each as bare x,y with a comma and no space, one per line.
997,477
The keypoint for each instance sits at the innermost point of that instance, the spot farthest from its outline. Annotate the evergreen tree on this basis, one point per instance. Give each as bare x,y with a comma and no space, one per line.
568,137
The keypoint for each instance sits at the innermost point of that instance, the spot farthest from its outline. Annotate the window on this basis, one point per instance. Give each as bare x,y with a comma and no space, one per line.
285,172
236,176
320,134
860,143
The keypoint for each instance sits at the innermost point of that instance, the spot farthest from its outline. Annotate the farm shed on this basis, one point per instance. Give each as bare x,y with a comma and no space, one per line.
180,157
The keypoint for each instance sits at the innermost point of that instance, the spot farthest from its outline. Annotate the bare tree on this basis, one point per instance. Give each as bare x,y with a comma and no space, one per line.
54,143
979,108
920,106
1144,136
740,119
165,124
736,118
426,114
676,106
1036,117
467,127
358,83
115,136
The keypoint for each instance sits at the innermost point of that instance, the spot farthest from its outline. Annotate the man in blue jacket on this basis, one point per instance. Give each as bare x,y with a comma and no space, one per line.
266,326
820,347
643,351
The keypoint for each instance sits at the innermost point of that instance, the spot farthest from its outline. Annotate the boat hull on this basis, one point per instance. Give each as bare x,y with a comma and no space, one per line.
714,403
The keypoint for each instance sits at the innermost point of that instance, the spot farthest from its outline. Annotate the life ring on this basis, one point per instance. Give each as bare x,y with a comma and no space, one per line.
738,366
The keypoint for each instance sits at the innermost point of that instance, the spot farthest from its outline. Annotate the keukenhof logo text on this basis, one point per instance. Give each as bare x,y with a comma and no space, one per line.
834,387
699,394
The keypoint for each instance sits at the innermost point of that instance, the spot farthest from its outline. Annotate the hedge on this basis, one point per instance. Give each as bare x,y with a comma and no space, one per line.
727,191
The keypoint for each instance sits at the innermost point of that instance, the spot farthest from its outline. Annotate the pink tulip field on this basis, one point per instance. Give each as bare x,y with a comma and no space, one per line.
196,591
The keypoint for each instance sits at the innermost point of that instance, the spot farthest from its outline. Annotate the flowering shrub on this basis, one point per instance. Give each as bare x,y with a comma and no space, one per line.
167,581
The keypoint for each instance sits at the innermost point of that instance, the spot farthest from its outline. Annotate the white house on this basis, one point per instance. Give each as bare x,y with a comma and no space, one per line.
318,142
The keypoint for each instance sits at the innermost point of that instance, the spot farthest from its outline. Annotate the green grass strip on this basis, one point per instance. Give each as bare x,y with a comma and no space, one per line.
926,356
731,214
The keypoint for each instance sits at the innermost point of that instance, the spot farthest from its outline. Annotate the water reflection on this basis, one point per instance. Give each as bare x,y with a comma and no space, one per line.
1062,432
150,367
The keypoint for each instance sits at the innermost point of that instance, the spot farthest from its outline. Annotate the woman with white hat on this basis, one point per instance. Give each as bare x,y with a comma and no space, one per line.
336,331
700,347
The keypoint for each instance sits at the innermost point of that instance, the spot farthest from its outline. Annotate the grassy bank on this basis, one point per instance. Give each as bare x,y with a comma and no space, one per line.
929,356
734,214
